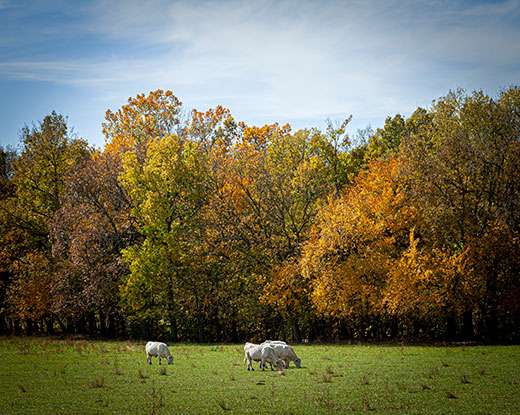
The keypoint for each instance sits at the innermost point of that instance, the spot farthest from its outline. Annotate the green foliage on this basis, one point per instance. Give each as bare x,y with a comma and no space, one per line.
37,184
167,193
208,228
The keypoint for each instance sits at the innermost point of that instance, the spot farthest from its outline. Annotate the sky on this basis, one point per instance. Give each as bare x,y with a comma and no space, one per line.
300,62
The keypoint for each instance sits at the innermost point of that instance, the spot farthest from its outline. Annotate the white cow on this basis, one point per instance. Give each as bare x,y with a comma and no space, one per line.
274,342
160,350
263,354
284,352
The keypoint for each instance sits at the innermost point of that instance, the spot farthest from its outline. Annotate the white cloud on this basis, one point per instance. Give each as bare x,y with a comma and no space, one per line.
290,59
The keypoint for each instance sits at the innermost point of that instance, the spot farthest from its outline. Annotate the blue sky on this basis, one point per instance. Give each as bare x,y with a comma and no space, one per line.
294,61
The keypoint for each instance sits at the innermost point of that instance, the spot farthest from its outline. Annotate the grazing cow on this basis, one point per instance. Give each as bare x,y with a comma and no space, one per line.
284,352
261,353
160,350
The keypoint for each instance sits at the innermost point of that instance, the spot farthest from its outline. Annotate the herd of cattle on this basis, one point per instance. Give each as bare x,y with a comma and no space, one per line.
274,352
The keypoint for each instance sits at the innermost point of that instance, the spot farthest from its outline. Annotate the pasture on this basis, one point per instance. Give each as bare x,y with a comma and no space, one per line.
50,376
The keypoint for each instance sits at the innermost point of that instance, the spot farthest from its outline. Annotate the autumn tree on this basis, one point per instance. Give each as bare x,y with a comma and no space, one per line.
7,248
355,243
89,232
142,119
341,155
261,213
463,169
167,194
48,154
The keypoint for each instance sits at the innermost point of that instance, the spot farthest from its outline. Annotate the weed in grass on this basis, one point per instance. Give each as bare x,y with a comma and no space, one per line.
326,378
130,348
433,372
224,405
117,370
141,374
424,386
365,380
366,403
157,400
232,376
451,395
465,379
162,371
103,401
326,402
402,386
98,383
445,364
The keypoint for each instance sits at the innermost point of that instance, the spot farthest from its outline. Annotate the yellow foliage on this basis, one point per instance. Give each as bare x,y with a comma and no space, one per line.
356,240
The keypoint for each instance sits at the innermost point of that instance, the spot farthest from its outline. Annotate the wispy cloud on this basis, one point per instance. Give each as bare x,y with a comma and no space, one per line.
285,59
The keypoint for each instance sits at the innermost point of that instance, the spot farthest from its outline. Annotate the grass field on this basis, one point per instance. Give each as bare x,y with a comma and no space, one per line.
47,376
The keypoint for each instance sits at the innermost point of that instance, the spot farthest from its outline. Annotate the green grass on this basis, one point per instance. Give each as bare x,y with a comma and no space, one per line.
85,377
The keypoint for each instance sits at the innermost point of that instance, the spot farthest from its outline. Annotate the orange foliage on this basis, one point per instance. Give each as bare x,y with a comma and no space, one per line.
143,118
356,240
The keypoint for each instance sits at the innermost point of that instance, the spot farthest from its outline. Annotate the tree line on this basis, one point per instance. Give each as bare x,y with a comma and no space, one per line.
191,226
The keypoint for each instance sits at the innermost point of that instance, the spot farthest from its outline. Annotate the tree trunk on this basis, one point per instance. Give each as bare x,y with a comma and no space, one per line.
282,328
102,324
451,327
467,325
28,327
173,329
145,329
296,330
200,327
91,322
234,330
111,326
